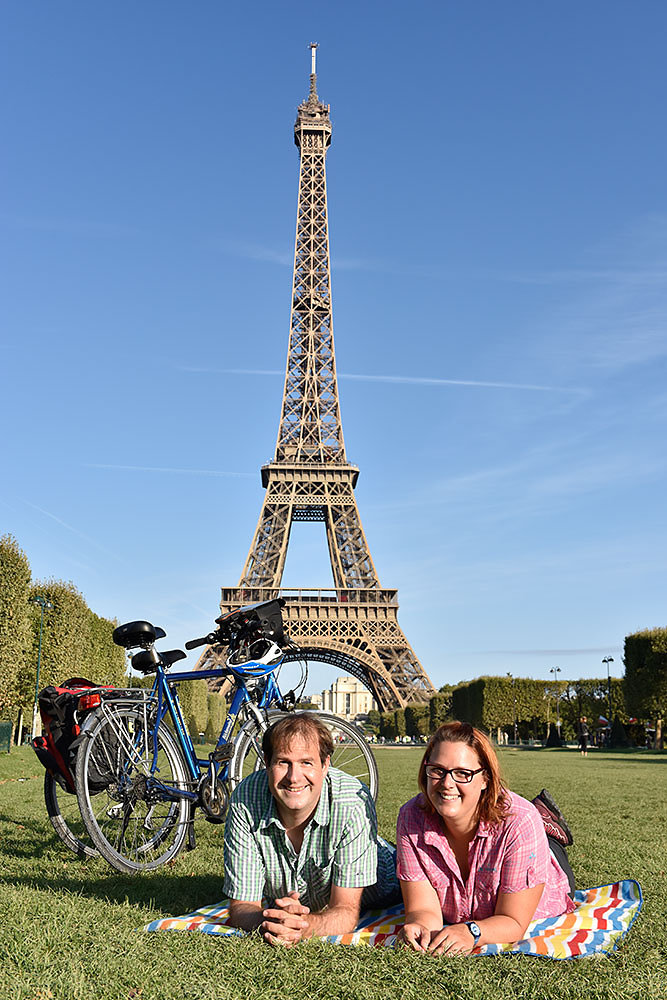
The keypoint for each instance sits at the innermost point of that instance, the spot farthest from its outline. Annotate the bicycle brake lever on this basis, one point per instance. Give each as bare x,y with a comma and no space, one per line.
289,700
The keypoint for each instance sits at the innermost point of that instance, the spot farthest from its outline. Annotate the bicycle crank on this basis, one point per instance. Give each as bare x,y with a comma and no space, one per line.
213,799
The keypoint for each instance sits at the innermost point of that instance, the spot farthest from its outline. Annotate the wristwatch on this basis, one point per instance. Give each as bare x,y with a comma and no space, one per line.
474,930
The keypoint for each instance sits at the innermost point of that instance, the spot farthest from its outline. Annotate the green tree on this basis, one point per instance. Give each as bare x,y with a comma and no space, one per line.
193,696
388,725
440,707
589,696
217,711
106,661
399,721
131,680
15,625
645,659
374,721
416,720
65,635
488,703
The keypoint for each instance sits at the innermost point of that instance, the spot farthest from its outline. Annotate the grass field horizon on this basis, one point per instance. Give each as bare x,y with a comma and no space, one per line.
72,929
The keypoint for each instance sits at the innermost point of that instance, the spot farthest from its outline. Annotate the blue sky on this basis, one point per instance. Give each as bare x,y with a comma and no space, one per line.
498,226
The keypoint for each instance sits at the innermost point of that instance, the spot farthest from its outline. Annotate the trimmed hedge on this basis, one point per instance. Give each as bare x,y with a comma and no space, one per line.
75,641
645,683
15,623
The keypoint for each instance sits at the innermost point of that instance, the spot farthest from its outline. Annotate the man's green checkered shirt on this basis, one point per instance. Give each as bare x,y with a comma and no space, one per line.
339,845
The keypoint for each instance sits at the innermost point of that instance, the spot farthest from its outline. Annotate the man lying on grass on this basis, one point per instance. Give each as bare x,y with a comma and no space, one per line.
304,835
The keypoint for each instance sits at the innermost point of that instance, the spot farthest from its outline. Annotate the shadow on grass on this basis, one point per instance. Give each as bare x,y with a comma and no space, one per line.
628,754
27,838
171,895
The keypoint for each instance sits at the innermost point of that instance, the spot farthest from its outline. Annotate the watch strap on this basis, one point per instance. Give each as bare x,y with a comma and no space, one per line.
474,930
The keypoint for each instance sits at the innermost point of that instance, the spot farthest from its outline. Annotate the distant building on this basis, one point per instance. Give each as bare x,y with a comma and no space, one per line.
347,698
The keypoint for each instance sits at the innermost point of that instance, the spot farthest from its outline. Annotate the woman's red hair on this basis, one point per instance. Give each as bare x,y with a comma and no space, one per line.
494,802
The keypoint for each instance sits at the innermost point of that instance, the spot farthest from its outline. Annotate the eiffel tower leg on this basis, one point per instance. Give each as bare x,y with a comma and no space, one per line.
266,558
348,547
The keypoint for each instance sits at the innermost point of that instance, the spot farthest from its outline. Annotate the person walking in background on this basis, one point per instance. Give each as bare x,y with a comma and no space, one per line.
582,732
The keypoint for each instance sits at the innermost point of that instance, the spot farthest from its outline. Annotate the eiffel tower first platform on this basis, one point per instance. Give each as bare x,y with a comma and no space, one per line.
353,626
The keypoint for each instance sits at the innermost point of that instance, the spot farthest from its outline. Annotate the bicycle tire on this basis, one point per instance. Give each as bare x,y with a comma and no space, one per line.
352,753
132,823
65,818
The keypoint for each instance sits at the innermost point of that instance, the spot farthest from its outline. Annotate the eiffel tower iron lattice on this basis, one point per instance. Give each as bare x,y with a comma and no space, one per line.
353,626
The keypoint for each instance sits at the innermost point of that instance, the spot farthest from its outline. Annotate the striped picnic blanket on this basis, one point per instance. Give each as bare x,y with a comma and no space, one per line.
601,920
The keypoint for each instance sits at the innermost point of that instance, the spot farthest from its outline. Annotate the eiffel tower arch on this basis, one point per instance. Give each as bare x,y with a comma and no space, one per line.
354,625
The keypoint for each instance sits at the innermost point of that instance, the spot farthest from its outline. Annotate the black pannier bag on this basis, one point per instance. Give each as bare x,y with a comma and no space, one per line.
62,709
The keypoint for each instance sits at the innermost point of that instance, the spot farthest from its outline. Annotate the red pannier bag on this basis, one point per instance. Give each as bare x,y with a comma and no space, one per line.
62,710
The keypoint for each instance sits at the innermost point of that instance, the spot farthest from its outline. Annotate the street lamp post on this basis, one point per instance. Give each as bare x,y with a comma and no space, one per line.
555,671
514,693
607,660
43,604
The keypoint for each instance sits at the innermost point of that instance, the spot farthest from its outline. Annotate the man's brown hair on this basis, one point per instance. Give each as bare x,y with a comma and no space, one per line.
308,727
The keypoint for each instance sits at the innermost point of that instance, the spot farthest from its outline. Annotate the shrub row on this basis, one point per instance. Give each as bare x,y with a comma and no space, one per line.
75,641
495,704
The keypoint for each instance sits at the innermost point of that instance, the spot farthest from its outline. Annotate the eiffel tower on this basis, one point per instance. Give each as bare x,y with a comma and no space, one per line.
353,626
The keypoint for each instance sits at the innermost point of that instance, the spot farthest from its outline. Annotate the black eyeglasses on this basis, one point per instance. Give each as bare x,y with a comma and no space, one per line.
461,775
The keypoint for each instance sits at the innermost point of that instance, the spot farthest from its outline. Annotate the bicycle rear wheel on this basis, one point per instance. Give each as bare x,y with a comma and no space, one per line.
352,753
65,818
130,808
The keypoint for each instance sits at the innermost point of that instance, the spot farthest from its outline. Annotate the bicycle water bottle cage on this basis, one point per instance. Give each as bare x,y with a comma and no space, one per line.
137,634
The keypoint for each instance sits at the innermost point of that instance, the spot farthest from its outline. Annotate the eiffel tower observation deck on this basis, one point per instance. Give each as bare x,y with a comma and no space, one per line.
354,625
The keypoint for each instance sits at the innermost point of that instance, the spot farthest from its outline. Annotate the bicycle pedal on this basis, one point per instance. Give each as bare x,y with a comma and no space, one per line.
222,754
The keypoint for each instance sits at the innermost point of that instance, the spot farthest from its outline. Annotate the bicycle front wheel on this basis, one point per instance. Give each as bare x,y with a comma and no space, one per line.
65,818
351,754
127,786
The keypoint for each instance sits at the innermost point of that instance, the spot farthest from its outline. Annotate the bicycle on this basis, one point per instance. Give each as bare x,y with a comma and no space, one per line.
138,778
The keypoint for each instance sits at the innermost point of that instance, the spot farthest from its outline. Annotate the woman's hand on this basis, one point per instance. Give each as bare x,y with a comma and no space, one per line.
456,939
423,916
415,936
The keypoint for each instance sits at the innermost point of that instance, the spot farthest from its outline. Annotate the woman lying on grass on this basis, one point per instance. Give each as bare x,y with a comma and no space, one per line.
474,862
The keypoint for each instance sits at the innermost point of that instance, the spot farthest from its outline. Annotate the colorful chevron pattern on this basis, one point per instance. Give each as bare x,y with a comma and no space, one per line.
601,920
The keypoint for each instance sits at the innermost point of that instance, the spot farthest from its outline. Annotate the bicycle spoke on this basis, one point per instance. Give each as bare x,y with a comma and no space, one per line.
133,821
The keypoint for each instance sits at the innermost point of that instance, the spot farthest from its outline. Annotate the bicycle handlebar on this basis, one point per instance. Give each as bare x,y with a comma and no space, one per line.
206,640
253,621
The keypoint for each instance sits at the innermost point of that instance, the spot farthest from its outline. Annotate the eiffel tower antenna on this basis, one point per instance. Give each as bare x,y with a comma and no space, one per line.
354,625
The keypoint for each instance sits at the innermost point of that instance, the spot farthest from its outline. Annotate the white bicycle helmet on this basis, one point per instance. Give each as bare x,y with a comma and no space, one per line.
260,652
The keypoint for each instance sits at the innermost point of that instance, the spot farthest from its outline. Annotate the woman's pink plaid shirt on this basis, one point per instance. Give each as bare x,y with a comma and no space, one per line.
503,857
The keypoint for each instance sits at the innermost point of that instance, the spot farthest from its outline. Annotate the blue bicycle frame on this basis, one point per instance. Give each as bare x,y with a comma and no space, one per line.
168,704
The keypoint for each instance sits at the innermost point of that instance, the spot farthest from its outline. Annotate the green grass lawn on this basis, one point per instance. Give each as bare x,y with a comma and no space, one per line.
70,929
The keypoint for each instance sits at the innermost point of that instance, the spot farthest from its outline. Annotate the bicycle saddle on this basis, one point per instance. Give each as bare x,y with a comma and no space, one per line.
137,634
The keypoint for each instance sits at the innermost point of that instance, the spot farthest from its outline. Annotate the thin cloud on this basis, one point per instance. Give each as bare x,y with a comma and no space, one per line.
75,531
285,258
71,227
181,472
617,319
616,276
419,380
612,647
397,379
254,251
